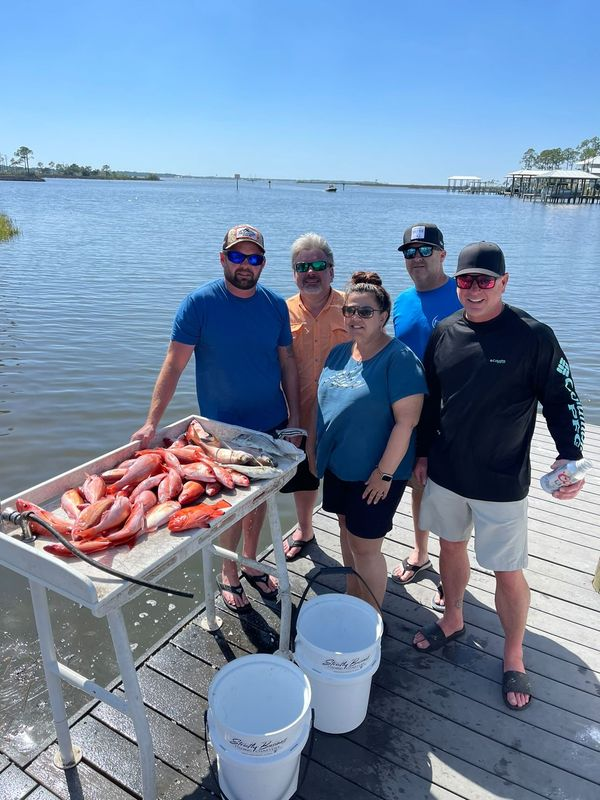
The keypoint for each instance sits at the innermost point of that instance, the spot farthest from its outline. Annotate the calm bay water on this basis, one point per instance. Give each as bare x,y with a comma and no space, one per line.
87,296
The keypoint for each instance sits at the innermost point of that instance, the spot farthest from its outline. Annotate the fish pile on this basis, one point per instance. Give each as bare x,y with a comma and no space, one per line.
153,488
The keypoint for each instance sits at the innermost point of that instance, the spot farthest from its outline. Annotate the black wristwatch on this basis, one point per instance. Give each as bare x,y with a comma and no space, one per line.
385,476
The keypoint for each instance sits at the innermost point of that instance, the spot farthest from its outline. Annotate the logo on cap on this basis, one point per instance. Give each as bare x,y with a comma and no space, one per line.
246,233
418,232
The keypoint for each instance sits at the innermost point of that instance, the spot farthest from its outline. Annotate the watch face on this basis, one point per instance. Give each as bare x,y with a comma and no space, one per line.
386,478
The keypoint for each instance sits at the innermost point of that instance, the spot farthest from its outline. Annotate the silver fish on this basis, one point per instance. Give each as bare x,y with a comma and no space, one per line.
259,473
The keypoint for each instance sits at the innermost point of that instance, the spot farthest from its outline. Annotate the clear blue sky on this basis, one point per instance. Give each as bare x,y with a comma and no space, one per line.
379,90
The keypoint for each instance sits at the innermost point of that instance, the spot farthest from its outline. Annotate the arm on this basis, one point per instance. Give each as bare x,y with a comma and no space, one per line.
406,411
176,360
430,418
290,383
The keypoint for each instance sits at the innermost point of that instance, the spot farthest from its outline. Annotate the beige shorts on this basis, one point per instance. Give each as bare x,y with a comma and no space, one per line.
500,528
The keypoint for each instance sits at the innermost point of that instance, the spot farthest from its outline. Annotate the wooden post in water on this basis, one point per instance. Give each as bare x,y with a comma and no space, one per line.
237,178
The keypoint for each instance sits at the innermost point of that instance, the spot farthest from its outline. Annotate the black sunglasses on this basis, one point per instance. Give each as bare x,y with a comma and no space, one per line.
483,281
316,266
424,250
254,259
364,312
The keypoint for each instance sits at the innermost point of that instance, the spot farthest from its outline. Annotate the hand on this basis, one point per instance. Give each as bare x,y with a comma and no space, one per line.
377,489
420,470
145,435
569,491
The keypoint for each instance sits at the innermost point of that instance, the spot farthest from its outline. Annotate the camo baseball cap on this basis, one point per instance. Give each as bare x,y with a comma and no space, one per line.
243,233
422,233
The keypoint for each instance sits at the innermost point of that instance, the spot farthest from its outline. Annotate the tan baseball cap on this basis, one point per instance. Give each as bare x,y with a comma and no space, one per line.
243,233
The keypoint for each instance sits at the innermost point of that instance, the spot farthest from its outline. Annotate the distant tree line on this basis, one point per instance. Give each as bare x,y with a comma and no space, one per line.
22,162
557,157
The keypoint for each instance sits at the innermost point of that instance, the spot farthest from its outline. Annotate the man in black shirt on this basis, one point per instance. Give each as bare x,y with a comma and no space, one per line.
487,368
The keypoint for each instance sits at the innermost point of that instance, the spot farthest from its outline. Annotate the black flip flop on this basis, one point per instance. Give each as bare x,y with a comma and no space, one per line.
256,580
239,590
300,544
414,568
436,637
438,606
513,681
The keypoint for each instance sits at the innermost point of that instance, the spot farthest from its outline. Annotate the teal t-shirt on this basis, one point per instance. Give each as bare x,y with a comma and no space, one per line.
354,409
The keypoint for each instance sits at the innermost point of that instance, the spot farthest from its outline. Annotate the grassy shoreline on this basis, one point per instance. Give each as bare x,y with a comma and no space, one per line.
8,229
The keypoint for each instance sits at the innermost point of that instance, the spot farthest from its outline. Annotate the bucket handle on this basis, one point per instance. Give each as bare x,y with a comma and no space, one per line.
331,571
306,751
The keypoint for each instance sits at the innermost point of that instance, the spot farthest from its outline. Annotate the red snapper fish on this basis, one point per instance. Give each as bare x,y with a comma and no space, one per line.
191,491
160,514
168,456
199,471
148,483
147,498
91,515
114,516
198,516
94,488
135,525
143,467
63,526
92,546
72,503
170,486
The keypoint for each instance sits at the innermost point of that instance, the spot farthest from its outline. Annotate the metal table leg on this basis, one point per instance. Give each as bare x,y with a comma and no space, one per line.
69,755
283,577
135,702
210,621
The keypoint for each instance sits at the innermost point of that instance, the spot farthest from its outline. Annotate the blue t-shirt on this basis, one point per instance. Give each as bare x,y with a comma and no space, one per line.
355,416
238,375
415,314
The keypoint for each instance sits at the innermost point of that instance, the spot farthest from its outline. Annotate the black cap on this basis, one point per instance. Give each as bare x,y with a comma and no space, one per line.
481,258
422,233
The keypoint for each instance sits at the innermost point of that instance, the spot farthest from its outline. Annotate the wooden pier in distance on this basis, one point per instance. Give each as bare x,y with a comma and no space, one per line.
436,727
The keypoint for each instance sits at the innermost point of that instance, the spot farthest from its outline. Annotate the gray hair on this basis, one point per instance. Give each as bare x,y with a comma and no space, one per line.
311,241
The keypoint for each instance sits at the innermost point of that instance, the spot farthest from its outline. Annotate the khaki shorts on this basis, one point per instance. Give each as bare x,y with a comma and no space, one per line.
500,528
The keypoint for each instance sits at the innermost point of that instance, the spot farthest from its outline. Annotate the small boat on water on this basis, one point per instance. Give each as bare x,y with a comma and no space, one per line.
331,188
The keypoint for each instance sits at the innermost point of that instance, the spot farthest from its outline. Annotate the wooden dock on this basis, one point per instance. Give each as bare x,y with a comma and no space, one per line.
436,727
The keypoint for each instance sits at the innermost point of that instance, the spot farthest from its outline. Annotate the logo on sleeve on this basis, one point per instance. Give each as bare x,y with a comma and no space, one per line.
563,368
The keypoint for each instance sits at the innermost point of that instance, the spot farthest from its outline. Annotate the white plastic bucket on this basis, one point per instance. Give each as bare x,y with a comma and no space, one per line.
340,700
245,777
258,705
338,633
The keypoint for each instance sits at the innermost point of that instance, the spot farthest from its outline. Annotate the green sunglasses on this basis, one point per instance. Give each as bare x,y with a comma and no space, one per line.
316,266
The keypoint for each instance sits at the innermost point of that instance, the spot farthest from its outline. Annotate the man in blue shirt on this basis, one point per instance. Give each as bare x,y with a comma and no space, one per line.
246,375
416,312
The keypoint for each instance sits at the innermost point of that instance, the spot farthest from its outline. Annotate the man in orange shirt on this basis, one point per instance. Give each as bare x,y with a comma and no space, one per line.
317,326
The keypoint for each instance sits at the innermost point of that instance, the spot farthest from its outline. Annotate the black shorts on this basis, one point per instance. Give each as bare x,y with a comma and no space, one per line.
303,480
363,520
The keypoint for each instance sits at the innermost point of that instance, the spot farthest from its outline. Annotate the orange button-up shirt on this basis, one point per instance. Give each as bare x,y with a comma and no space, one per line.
313,339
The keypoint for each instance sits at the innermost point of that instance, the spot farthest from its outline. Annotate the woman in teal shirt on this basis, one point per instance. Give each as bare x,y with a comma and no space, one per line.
369,401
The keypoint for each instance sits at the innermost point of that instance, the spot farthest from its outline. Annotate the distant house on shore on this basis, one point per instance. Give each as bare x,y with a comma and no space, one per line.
590,165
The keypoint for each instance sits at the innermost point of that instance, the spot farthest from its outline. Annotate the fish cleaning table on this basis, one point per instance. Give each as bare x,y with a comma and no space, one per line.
153,556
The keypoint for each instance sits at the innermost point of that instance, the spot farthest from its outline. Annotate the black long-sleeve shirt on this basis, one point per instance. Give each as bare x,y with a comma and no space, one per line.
485,381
